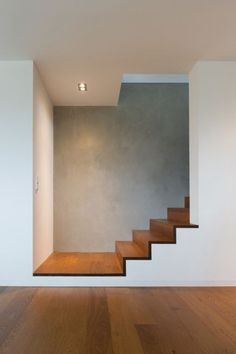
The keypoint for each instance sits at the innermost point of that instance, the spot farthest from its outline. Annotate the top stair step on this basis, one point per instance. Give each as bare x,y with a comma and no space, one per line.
187,202
178,214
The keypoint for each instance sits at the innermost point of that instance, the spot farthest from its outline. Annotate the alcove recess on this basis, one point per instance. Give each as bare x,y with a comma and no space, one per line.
161,231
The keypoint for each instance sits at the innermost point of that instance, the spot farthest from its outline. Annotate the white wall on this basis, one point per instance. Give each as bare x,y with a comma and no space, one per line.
208,256
201,257
43,173
16,171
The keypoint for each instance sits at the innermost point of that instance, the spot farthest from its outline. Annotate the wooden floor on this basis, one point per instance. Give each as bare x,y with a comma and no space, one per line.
78,263
117,320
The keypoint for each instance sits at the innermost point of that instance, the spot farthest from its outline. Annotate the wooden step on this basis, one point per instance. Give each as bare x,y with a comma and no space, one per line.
163,226
129,250
80,263
187,202
178,214
168,227
144,238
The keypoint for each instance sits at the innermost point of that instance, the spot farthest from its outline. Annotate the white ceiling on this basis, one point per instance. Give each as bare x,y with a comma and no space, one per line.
98,41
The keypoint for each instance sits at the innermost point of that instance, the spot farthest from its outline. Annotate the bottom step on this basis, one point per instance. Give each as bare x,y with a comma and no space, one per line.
129,250
79,263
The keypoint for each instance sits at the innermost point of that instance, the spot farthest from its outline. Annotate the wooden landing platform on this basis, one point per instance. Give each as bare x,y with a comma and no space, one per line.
79,263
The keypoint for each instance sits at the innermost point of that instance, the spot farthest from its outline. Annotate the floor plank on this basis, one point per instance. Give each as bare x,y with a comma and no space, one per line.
221,302
124,335
151,340
13,303
98,330
223,334
169,331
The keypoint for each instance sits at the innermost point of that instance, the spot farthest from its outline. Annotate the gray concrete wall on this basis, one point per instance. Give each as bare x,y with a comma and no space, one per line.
117,167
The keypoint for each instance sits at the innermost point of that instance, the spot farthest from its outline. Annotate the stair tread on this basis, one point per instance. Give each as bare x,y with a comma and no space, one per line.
178,214
179,209
174,223
153,236
130,249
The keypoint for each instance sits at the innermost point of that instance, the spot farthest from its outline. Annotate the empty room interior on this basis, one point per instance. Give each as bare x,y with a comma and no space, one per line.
117,177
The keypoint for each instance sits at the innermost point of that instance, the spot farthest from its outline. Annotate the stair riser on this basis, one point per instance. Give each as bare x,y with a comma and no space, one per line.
162,228
178,214
121,259
187,202
141,242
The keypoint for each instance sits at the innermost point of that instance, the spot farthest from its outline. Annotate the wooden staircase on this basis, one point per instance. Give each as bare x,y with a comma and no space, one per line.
161,231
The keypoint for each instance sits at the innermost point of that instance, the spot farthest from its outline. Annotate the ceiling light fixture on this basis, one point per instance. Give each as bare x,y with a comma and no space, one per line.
82,86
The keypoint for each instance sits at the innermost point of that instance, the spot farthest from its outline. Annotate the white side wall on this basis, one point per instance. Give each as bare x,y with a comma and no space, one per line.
16,171
43,173
201,257
208,256
194,143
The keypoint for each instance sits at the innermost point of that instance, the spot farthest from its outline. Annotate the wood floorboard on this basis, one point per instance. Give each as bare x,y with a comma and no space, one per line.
203,338
140,311
12,308
170,332
150,339
98,330
118,320
224,333
124,335
2,289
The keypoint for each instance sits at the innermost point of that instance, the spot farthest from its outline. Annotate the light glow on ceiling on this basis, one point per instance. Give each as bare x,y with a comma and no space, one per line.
82,86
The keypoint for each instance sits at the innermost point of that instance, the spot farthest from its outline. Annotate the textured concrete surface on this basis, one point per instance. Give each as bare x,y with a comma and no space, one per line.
117,167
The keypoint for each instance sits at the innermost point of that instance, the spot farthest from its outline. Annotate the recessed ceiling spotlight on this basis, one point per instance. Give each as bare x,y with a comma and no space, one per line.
82,86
